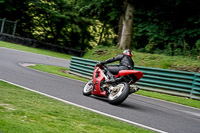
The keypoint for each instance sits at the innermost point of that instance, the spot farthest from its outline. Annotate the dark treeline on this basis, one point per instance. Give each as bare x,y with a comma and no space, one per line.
53,21
159,26
169,26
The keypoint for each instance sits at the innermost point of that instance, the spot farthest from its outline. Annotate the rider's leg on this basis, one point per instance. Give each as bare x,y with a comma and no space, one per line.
111,71
114,71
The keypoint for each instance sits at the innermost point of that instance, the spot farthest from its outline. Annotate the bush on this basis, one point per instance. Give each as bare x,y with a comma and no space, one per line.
198,44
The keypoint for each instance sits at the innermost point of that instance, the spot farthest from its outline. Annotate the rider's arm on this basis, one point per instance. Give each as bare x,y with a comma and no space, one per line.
117,58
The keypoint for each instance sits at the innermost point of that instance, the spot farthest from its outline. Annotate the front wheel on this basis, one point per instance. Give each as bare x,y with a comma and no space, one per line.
88,88
119,93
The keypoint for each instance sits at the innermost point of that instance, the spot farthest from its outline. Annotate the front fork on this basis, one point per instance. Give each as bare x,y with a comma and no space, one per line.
106,78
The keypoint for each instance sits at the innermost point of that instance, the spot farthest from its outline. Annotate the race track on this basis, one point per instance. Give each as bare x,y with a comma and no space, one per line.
156,114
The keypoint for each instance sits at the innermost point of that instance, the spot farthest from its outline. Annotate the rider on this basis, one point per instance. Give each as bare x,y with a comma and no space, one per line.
126,63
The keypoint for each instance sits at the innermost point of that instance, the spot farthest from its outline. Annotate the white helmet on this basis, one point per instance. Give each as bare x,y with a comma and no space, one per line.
128,52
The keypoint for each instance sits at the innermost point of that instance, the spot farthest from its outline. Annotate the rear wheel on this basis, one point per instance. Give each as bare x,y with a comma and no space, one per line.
88,88
119,93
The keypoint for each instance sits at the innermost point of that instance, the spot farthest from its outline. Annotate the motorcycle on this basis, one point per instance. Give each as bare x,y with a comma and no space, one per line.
116,91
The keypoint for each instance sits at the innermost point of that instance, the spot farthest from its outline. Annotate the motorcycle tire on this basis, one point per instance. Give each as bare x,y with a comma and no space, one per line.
117,97
88,88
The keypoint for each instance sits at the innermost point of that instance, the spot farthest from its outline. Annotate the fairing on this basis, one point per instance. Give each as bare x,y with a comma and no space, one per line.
136,73
98,76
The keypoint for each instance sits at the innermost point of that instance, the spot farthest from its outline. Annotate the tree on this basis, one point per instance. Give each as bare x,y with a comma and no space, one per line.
167,26
164,26
53,21
107,12
125,37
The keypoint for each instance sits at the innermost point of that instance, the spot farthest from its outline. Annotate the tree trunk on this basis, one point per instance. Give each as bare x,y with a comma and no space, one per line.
120,26
126,36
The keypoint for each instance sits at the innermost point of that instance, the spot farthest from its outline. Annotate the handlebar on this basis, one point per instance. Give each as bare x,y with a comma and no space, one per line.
101,65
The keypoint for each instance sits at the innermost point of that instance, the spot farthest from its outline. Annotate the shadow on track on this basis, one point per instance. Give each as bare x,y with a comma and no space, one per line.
125,104
100,98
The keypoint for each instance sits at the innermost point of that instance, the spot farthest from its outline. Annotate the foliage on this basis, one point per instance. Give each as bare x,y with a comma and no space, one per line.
198,44
171,27
107,12
51,21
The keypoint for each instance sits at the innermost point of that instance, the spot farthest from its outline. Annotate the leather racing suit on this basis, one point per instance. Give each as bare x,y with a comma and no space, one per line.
126,63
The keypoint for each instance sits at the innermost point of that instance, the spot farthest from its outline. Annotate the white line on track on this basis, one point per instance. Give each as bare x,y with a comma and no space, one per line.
178,104
96,111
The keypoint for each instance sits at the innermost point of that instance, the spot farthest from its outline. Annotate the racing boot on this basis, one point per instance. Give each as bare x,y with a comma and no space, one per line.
134,89
111,78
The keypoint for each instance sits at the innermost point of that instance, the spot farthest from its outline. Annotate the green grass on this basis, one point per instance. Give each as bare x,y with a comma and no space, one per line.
175,99
149,60
141,59
62,71
34,50
170,98
23,111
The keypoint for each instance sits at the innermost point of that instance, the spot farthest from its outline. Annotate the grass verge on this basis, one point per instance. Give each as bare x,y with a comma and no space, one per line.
141,59
170,98
61,71
148,60
175,99
23,111
34,50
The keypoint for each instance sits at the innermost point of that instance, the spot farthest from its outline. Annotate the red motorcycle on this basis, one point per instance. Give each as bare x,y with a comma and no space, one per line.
116,91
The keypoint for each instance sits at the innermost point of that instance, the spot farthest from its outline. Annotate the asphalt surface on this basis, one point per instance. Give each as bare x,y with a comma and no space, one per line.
161,115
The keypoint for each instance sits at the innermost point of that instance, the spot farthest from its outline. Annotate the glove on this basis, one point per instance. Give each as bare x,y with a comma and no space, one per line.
102,62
